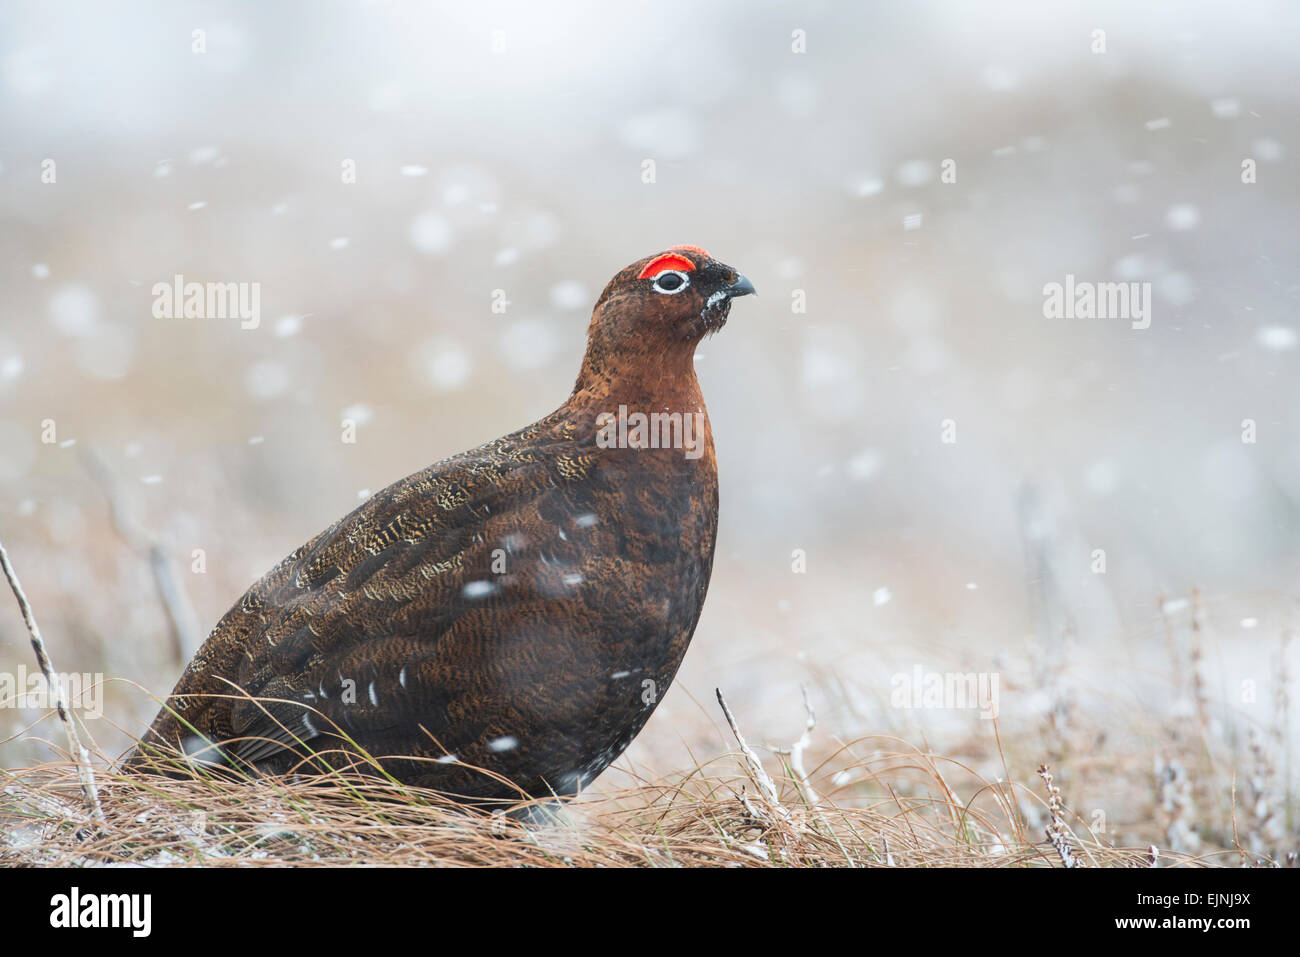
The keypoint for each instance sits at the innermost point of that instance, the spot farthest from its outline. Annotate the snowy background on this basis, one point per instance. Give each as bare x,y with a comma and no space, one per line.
500,146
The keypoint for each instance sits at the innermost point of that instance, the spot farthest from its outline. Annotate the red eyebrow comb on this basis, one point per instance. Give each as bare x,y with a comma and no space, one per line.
664,263
693,249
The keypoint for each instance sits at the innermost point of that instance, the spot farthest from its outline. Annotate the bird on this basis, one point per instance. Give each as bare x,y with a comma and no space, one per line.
500,625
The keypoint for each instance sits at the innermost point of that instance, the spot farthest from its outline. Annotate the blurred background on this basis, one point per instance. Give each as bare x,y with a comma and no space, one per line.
911,174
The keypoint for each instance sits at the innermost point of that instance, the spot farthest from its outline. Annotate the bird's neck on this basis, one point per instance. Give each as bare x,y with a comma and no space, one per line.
662,382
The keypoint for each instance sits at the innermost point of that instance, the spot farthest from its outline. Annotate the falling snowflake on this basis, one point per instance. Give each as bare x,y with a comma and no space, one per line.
1277,338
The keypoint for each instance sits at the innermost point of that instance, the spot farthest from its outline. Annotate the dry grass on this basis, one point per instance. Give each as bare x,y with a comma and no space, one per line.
1188,778
900,810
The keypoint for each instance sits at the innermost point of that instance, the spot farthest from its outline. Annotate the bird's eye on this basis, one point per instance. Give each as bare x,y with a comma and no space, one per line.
670,281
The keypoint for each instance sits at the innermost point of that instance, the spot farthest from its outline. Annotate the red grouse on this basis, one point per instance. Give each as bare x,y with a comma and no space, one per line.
504,621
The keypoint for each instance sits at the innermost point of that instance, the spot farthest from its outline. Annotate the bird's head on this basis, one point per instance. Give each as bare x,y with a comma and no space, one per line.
681,293
655,311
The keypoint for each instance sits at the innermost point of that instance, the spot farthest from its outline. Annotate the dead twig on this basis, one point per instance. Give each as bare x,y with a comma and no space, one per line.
796,752
759,776
85,773
1057,831
183,623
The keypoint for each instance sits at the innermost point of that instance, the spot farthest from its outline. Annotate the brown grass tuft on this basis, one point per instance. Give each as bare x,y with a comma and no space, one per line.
898,812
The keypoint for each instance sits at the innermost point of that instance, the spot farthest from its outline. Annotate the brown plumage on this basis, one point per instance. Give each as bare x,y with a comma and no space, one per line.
503,621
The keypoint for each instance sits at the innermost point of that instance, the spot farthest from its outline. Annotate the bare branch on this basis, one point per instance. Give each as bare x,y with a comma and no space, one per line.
756,772
183,623
1057,831
84,771
796,752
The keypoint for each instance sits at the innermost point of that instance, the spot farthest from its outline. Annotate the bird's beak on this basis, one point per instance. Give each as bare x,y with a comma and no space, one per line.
741,287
